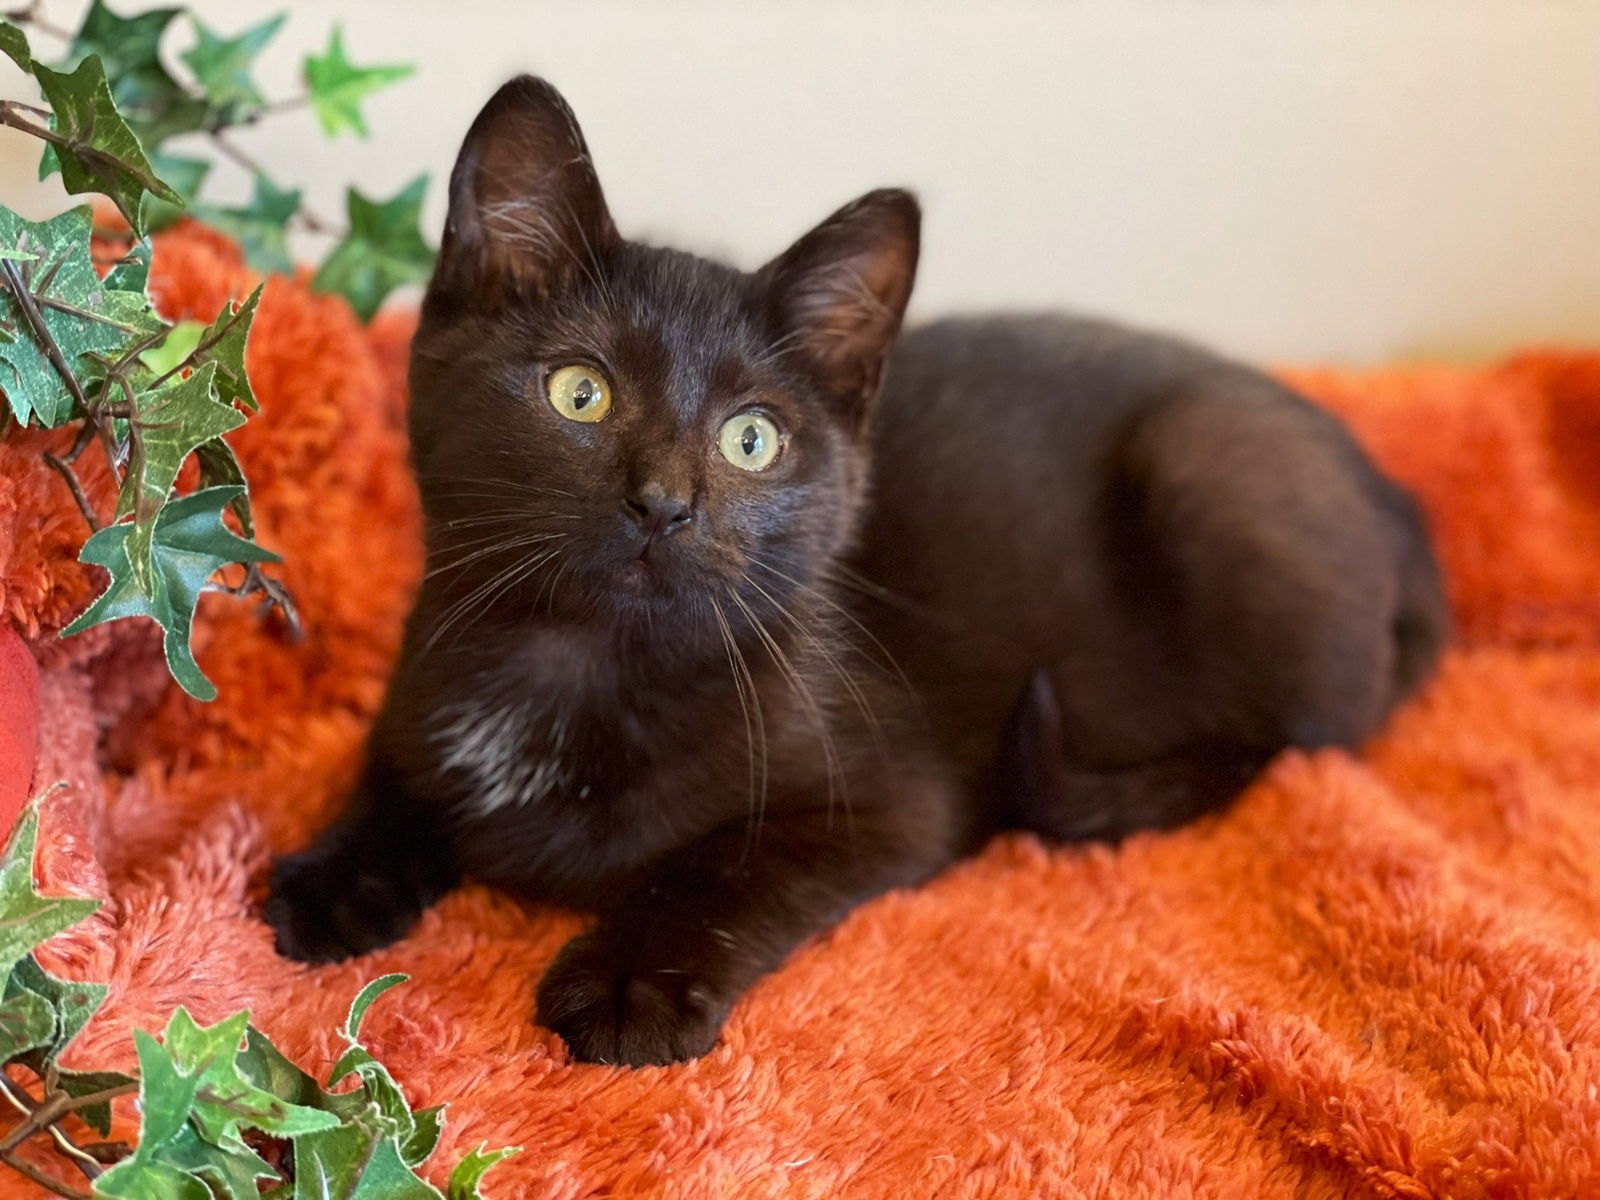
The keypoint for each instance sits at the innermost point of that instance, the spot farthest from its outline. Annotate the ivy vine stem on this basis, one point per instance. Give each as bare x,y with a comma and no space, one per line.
306,216
44,1116
33,14
49,1182
40,331
61,467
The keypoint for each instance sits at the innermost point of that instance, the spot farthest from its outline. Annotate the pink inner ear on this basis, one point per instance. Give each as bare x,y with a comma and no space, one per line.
850,310
842,288
844,309
536,216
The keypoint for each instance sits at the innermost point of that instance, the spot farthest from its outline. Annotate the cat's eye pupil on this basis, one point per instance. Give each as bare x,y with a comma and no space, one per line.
750,441
582,394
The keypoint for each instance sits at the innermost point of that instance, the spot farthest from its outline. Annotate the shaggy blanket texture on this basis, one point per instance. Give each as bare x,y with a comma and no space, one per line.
1374,975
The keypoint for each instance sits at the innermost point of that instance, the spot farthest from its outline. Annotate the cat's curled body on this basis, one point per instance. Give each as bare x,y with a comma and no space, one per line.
1011,573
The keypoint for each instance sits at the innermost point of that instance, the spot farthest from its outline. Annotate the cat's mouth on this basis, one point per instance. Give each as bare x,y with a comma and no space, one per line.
654,575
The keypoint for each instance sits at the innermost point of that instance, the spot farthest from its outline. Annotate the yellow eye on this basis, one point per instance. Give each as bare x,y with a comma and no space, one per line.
579,393
750,441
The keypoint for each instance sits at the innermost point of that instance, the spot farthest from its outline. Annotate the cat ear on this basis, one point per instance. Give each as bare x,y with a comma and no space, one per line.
526,211
841,290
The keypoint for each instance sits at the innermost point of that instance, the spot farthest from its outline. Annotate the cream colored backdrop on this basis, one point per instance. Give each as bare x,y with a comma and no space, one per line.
1354,180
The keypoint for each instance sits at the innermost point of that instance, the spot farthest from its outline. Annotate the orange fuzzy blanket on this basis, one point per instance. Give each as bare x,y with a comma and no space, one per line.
1375,975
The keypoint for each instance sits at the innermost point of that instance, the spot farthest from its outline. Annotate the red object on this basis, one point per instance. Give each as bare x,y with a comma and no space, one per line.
19,724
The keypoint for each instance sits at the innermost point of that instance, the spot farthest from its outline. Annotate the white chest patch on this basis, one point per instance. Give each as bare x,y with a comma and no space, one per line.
495,748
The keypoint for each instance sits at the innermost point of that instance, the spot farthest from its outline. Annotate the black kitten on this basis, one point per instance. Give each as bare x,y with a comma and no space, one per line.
718,641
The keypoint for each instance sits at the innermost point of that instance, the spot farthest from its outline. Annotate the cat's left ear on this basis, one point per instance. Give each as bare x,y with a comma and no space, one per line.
840,291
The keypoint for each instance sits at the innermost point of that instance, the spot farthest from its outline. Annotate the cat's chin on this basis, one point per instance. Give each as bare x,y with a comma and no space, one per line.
648,589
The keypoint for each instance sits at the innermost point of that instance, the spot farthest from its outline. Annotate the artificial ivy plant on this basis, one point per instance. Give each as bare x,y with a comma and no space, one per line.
223,1114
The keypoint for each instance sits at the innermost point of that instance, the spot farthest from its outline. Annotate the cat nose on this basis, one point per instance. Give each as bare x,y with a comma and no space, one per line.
656,511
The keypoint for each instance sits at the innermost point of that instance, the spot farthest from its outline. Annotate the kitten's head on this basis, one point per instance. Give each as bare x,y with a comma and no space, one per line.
602,426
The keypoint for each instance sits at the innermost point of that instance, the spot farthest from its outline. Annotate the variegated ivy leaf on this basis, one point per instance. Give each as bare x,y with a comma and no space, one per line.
29,918
14,45
226,1102
132,274
174,420
61,306
97,150
415,1134
469,1172
189,544
224,344
153,102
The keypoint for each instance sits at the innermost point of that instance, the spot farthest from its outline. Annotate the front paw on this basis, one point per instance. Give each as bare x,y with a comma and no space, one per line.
327,906
610,1009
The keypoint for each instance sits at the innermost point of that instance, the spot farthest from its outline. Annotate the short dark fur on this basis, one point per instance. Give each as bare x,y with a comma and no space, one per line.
1057,576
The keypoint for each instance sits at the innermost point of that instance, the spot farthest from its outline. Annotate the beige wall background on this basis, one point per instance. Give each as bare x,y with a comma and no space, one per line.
1349,180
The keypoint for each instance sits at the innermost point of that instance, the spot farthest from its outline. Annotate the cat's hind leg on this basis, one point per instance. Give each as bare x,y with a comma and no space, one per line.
1042,791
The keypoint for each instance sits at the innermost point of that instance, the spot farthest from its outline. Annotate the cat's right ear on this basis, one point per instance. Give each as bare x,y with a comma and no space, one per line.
526,212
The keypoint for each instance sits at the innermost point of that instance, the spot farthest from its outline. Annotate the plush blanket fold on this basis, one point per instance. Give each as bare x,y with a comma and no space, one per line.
1374,975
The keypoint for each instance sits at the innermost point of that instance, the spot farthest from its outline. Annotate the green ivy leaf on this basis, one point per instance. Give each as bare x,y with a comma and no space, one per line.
151,100
351,1031
76,308
427,1126
384,249
71,1005
14,45
222,67
220,466
378,1143
355,1162
143,1178
174,350
232,1170
166,1094
260,227
469,1172
29,918
225,1100
73,1002
166,1098
27,1022
264,1065
390,1112
337,88
190,544
185,175
101,153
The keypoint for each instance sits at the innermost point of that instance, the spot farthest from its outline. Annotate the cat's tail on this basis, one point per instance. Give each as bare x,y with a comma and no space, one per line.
1046,794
